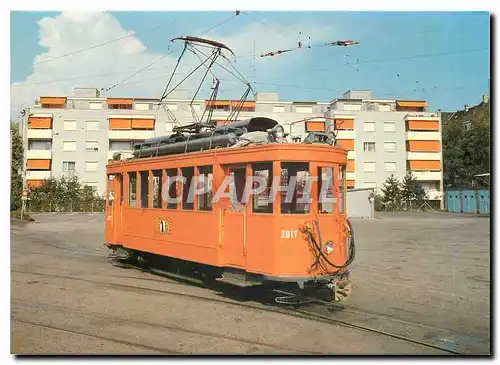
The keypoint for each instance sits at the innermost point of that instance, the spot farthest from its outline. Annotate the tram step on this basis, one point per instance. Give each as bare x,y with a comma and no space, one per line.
237,279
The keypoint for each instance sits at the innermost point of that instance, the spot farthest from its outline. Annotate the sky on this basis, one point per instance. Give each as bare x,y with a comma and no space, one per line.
440,57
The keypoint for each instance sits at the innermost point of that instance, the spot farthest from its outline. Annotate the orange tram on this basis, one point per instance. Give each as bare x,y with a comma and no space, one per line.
295,242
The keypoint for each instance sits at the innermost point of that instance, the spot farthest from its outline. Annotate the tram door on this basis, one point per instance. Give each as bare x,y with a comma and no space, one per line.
113,206
234,218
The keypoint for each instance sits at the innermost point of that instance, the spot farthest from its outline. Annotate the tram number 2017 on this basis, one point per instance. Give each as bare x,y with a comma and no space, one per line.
289,233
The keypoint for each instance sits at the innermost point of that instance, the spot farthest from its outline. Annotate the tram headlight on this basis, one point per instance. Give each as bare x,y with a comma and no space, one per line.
329,247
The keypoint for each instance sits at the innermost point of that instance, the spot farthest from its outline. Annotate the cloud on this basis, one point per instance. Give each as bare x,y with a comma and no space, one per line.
55,74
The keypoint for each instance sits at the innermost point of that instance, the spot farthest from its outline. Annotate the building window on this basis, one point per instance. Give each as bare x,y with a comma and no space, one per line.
142,106
278,109
39,145
91,146
172,188
353,107
218,107
384,108
369,126
144,189
92,125
70,125
369,167
390,146
95,106
132,189
187,198
303,109
69,146
369,146
68,166
54,106
390,166
204,185
370,184
389,126
91,166
120,106
157,185
92,185
120,145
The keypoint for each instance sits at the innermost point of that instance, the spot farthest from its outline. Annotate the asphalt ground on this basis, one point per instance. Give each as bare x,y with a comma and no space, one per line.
425,269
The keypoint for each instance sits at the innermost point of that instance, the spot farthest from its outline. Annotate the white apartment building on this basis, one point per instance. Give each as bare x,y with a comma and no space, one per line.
78,134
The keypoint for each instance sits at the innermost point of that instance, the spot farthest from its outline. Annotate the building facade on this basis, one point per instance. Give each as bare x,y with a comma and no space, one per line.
78,135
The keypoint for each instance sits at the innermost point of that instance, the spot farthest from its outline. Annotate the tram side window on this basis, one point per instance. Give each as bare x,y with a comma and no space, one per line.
342,188
205,178
172,188
325,190
294,194
144,189
157,183
261,203
111,191
187,194
120,179
132,189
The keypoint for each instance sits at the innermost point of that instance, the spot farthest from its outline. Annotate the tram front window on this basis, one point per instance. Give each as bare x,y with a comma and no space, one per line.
294,192
325,190
261,202
341,188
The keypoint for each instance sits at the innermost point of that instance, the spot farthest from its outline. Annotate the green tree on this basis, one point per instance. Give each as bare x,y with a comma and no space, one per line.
16,166
65,195
412,192
391,193
466,151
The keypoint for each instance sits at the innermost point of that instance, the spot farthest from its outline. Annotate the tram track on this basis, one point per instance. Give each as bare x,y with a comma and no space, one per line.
316,313
310,313
175,328
106,338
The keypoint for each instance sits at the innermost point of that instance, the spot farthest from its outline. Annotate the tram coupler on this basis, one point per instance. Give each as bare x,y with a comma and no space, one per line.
340,287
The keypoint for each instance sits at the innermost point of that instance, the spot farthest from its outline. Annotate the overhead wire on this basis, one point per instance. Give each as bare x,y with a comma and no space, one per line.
135,73
221,23
100,44
89,76
242,57
267,26
162,57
